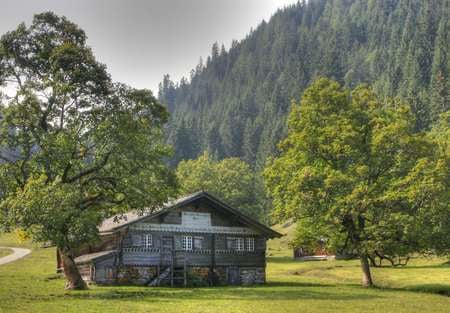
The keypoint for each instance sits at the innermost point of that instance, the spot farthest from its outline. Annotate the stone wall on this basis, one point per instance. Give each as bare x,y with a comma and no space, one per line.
201,272
247,275
136,274
197,275
252,275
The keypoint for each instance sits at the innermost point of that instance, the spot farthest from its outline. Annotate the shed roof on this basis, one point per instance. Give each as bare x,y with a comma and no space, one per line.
117,222
86,258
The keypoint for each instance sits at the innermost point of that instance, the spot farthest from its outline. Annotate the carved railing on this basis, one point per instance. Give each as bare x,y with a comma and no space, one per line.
175,228
195,251
239,252
142,250
221,251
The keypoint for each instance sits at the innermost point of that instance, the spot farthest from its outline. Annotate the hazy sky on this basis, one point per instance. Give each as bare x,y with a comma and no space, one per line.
139,40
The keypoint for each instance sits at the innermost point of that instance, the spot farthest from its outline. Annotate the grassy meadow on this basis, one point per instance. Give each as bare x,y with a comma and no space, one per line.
5,252
30,285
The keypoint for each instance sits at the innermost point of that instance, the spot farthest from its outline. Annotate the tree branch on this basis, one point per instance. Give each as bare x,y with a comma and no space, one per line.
90,170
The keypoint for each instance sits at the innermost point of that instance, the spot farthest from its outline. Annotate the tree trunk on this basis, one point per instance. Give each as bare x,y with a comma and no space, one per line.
366,276
73,277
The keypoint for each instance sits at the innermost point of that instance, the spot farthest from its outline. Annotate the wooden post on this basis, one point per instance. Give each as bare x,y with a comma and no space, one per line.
185,273
213,258
158,272
171,267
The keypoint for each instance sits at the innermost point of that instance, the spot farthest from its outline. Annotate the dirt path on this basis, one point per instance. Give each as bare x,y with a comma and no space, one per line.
18,253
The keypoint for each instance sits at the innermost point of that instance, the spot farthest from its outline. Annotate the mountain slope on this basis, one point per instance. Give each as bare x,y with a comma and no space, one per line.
236,104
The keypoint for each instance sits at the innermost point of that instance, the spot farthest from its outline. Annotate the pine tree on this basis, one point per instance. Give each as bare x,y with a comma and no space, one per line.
440,79
399,47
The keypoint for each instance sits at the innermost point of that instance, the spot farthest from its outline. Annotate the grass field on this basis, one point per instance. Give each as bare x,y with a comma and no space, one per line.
30,285
5,252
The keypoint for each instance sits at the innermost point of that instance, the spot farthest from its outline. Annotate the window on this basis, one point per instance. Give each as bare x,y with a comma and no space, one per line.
148,240
240,244
250,244
235,244
187,243
198,243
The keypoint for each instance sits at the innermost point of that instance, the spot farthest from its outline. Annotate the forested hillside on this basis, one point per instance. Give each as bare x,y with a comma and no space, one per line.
236,102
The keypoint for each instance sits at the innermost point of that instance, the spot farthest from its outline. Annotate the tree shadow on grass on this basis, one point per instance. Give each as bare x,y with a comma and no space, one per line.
293,284
414,267
280,259
271,291
439,289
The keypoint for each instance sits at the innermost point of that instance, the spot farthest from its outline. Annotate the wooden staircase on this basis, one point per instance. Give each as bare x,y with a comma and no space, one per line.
163,276
179,273
175,273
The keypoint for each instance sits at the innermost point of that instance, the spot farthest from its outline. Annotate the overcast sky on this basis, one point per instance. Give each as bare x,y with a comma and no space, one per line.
139,40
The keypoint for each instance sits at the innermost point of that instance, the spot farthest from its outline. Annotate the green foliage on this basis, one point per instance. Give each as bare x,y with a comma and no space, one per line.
52,212
353,168
231,180
75,146
435,187
237,104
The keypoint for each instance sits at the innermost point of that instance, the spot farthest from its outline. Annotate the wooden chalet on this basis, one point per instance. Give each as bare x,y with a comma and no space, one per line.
319,252
197,237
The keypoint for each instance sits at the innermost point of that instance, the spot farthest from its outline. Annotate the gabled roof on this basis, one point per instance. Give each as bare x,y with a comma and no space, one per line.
86,258
117,222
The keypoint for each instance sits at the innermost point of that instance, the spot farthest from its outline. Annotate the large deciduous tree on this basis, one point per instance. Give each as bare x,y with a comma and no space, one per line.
353,171
231,179
75,147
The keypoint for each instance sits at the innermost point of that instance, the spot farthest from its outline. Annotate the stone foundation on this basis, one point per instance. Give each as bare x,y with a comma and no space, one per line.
252,275
247,275
197,275
138,275
220,275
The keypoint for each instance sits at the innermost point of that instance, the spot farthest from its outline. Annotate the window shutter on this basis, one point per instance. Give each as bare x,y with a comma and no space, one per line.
137,240
198,242
230,243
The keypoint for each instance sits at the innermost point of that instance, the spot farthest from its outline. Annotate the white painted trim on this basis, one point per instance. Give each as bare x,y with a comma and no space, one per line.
187,243
176,228
196,219
148,242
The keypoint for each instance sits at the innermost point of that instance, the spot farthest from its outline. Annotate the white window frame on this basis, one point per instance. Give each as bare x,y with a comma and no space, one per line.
187,243
240,244
148,240
250,244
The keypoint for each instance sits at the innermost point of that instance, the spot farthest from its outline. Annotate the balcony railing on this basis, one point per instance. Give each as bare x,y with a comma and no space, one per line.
142,250
194,251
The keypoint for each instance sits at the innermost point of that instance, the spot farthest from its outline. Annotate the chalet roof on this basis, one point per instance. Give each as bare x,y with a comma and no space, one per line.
117,222
86,258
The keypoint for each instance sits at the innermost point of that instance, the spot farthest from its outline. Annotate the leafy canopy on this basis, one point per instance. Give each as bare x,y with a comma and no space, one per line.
74,146
231,180
353,170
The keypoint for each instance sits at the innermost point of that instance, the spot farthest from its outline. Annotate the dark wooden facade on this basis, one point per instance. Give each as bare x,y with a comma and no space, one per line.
194,238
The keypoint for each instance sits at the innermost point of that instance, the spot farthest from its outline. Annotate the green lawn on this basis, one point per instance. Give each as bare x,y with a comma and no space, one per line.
5,252
30,285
